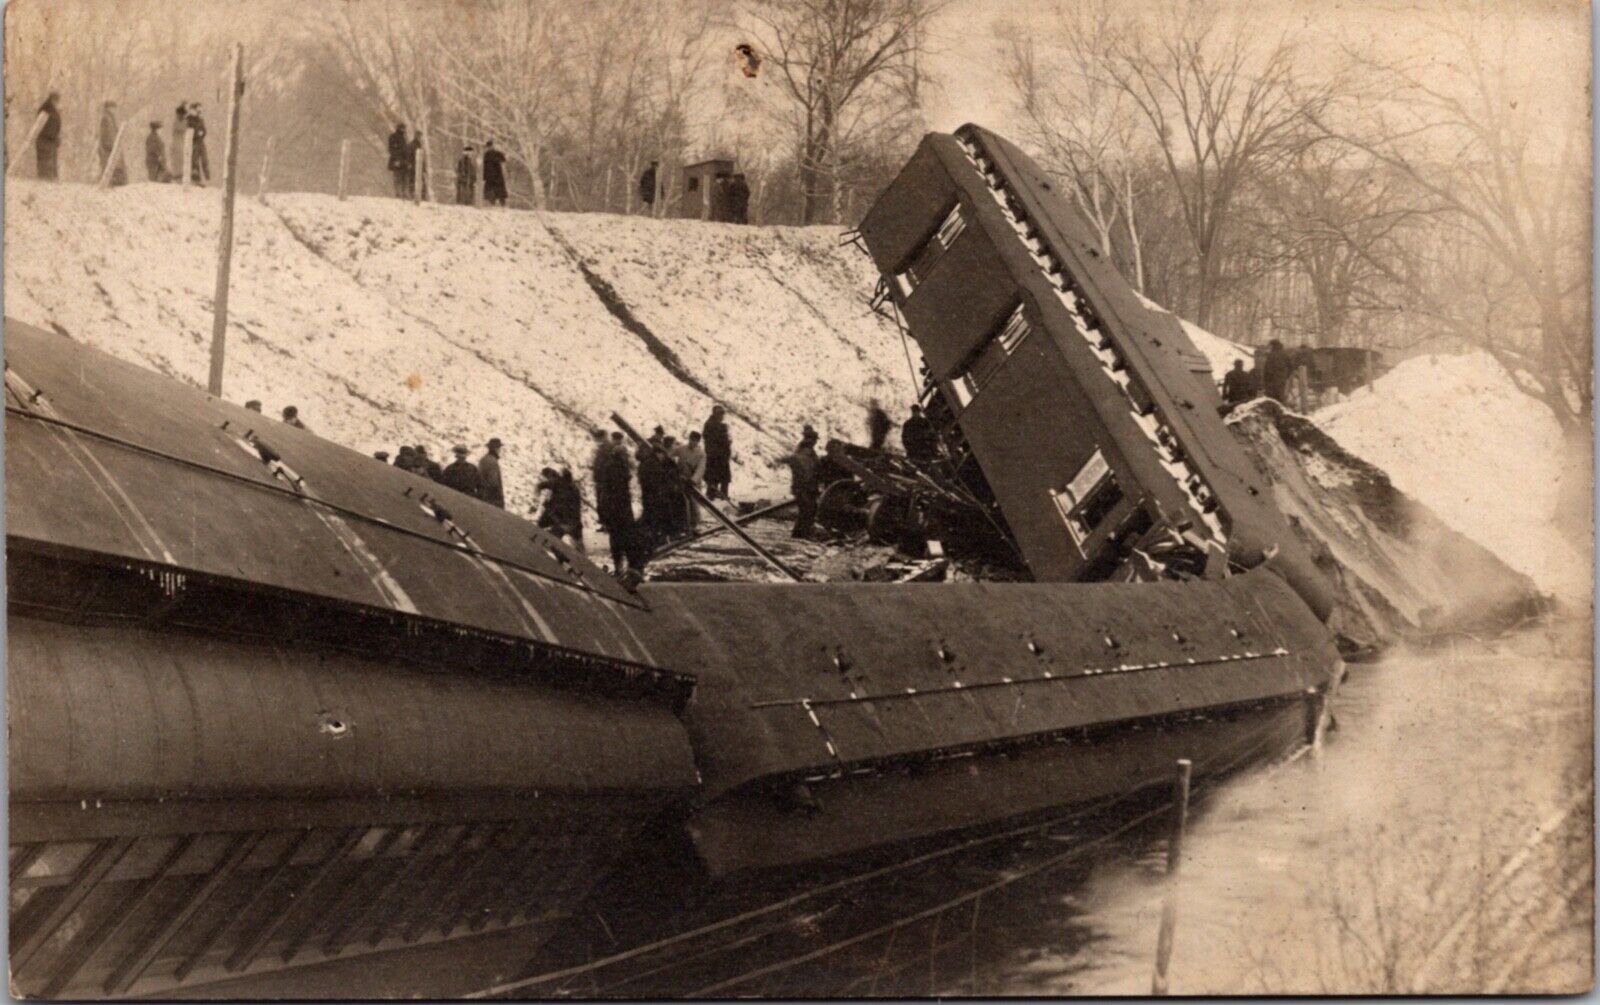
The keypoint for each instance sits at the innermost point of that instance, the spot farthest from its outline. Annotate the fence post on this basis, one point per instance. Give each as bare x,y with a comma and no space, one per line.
344,165
110,170
266,165
230,173
1169,908
27,145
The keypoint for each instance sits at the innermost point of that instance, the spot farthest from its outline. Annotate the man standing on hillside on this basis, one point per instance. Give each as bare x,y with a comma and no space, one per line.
48,143
462,475
398,147
155,154
1274,370
719,454
647,186
918,437
494,175
1237,387
738,200
491,488
197,125
202,164
803,482
466,177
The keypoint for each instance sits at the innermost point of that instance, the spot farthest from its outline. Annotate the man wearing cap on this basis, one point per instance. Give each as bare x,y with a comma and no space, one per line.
291,417
462,475
155,154
490,488
803,481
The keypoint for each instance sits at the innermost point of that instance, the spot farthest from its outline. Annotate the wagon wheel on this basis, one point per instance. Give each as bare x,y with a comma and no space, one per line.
842,506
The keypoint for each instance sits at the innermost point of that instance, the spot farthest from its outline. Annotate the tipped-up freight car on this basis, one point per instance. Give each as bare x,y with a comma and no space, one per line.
1087,416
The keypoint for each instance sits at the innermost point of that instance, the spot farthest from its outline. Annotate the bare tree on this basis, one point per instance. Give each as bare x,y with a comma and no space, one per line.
1083,125
847,68
1224,113
1504,164
1343,224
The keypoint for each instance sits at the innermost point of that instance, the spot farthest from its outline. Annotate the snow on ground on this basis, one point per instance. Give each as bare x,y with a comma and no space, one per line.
1456,434
389,323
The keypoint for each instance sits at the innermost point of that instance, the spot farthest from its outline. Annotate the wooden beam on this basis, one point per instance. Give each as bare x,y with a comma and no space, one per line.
89,941
252,945
425,878
269,876
102,858
341,901
133,967
408,866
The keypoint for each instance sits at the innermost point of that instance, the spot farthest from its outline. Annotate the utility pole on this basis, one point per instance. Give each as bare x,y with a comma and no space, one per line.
230,172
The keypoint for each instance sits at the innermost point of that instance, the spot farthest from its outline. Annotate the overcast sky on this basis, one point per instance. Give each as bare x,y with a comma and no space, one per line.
1548,41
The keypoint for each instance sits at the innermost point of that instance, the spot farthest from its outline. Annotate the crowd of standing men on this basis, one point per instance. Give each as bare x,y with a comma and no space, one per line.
407,155
670,474
1269,377
187,121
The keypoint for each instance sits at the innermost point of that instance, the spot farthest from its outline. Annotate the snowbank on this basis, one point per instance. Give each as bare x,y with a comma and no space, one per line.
1402,573
388,323
1456,434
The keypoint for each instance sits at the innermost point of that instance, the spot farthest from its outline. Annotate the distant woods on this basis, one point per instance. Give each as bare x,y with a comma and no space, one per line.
1425,179
1297,186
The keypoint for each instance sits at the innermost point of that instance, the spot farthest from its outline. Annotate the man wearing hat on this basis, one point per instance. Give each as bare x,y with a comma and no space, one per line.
462,474
491,488
155,154
803,481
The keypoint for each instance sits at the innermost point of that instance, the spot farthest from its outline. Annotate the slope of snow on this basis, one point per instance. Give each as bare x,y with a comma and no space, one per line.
388,323
1456,434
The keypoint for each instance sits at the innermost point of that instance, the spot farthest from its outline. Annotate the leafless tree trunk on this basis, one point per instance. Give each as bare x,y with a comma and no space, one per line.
846,67
1223,115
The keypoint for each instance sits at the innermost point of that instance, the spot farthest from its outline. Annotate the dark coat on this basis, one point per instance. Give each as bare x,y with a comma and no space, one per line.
494,173
611,497
719,451
462,475
919,438
1238,387
397,149
1274,369
563,509
738,200
802,471
155,157
490,488
647,186
466,179
50,135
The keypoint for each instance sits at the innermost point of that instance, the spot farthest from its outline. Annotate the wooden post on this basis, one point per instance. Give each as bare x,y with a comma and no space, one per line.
266,165
417,172
344,165
33,137
426,164
230,178
1169,909
188,154
607,206
110,170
